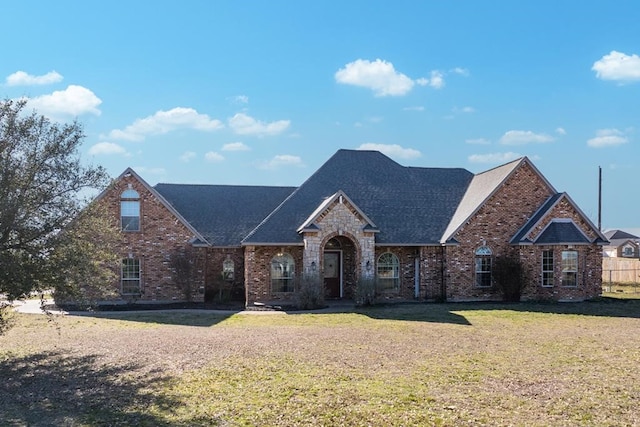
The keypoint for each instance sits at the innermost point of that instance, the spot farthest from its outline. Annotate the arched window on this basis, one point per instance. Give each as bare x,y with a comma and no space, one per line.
283,270
388,272
228,269
483,267
130,210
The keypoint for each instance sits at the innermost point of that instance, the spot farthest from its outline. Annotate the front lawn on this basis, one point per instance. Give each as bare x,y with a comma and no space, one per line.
417,364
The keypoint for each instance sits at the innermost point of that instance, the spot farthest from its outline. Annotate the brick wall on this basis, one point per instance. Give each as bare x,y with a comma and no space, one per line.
493,226
257,272
497,222
217,286
161,233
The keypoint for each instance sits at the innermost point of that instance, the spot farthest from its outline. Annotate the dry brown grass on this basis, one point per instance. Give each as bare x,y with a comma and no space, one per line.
445,364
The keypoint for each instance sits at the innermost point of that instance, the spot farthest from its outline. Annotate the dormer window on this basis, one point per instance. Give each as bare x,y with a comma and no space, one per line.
628,251
130,210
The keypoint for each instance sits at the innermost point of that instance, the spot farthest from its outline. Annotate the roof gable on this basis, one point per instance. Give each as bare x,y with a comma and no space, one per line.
482,187
129,172
560,232
310,224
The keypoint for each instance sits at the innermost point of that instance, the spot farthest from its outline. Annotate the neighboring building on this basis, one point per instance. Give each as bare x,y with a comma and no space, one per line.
621,245
621,258
422,233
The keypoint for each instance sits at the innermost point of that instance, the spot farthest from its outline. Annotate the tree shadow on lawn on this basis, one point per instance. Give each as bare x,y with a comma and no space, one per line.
54,388
415,312
601,307
454,312
202,318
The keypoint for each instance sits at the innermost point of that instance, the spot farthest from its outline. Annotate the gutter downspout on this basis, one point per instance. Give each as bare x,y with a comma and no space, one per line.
443,283
416,275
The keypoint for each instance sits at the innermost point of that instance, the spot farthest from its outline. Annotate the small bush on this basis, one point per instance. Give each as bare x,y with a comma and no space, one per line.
510,276
310,294
366,291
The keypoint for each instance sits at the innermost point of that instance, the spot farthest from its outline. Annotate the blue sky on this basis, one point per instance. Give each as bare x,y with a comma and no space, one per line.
264,92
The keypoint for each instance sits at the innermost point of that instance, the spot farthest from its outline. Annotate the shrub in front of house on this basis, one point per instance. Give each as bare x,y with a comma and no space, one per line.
510,276
310,293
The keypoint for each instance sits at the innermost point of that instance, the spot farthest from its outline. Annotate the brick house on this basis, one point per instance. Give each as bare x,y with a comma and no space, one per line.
419,233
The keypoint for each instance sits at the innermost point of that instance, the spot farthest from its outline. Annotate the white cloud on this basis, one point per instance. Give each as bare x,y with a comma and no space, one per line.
187,156
493,157
282,160
73,101
522,137
243,124
561,131
239,99
460,71
416,108
106,148
477,141
166,121
20,78
379,76
437,80
235,146
466,110
391,150
607,138
618,66
213,157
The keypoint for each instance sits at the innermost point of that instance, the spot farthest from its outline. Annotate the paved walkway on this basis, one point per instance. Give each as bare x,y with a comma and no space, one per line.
33,306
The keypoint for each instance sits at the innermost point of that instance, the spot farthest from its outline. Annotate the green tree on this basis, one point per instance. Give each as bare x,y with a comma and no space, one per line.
41,182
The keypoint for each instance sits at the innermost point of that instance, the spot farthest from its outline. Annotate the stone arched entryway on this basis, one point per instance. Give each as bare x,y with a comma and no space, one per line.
339,267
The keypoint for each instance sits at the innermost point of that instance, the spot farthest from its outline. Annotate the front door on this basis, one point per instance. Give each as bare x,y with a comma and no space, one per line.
332,274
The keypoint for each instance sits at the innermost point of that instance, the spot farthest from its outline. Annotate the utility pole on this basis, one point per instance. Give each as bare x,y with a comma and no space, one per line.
599,198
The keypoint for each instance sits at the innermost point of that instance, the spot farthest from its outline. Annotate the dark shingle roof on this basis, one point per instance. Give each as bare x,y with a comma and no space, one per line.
408,205
562,232
619,237
223,214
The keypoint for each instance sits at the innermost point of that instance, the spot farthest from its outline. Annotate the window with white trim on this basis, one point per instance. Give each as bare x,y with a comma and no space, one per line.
483,267
130,210
130,276
628,251
569,268
547,268
283,270
388,272
228,269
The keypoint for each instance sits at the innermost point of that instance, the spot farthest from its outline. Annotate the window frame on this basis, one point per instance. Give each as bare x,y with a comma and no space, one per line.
388,272
547,278
482,267
569,268
130,203
228,270
282,273
128,268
